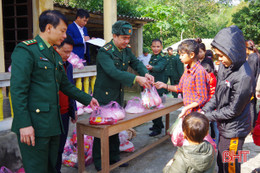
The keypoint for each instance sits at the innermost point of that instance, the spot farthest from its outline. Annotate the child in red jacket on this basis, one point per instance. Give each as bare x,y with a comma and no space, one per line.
212,86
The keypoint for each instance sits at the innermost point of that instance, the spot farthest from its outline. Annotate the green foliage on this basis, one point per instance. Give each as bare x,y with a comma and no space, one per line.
179,19
248,20
124,7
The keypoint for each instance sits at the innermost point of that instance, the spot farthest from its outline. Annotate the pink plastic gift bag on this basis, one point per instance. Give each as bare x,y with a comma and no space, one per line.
113,110
125,144
5,170
108,114
70,157
134,106
177,133
150,98
210,140
98,118
76,61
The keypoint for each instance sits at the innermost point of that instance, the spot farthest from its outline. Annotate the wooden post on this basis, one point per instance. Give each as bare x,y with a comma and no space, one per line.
38,7
2,55
110,17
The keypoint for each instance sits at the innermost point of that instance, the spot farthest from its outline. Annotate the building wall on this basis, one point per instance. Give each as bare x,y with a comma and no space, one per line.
38,7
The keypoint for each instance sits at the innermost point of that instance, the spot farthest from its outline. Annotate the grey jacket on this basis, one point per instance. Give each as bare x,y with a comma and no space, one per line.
229,106
193,159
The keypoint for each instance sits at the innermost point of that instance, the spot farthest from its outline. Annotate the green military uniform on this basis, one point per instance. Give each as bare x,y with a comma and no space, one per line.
112,76
174,70
37,76
158,62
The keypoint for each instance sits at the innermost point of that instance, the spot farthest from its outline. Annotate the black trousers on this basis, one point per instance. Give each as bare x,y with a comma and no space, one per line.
114,152
173,82
229,144
63,137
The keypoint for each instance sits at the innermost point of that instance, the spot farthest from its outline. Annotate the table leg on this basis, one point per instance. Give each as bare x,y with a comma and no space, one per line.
81,160
104,151
167,123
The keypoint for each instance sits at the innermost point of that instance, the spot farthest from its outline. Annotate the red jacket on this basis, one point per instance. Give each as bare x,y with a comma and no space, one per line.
256,133
212,84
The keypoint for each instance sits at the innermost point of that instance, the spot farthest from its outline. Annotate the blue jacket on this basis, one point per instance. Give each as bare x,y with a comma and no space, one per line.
72,103
78,48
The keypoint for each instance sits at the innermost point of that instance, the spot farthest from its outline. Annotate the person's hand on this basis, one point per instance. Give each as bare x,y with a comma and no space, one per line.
27,135
183,112
143,81
257,94
94,104
150,78
160,85
76,118
149,67
86,38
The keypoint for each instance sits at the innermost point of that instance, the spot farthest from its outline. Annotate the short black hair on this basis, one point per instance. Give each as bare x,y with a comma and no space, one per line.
208,67
52,17
169,48
189,46
67,40
202,46
82,13
157,39
195,126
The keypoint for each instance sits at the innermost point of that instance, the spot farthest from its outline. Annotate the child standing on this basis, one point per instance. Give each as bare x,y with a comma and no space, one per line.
194,83
230,104
199,155
156,68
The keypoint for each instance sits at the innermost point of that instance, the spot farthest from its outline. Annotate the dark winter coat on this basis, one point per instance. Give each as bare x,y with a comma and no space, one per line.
229,106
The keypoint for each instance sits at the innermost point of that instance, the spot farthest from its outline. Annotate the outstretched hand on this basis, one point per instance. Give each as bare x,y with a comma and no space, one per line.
160,85
143,81
94,104
150,78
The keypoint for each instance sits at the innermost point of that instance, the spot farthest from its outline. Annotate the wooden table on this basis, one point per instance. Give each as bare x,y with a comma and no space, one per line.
131,120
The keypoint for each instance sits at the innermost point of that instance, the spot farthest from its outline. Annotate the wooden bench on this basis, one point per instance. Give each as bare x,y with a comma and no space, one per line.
131,120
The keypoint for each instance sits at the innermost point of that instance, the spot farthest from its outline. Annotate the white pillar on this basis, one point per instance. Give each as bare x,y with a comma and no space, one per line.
110,17
140,41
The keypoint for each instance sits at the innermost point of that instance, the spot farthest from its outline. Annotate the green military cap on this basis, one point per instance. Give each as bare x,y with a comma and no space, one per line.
122,28
145,50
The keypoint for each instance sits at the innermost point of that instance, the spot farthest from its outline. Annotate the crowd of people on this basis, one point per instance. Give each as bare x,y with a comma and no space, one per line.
43,94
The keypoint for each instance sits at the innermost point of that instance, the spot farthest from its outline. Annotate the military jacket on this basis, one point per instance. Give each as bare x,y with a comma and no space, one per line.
37,76
158,71
112,73
174,67
159,63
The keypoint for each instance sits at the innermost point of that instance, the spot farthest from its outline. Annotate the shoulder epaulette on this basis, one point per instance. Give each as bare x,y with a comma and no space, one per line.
107,47
129,46
30,42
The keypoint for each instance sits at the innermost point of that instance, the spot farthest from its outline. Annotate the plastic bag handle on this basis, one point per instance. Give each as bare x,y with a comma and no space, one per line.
136,98
113,104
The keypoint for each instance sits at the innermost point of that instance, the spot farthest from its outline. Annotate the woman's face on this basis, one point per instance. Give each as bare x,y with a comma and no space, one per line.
201,54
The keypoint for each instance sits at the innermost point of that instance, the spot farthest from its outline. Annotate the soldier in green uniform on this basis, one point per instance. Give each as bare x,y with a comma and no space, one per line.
112,62
174,68
156,68
36,78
